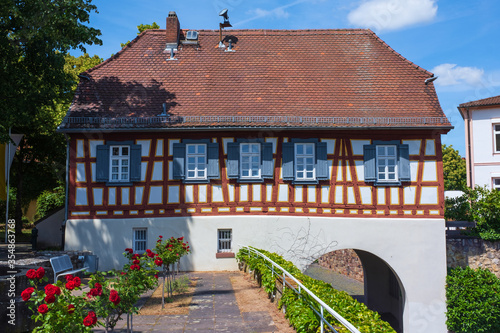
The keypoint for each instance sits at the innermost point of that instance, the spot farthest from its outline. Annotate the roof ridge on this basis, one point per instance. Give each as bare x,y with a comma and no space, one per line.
478,101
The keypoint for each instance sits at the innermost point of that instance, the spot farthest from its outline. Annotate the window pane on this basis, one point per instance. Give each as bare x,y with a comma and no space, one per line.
255,148
124,177
309,149
497,137
392,176
380,150
115,176
201,149
300,174
191,149
114,162
191,174
201,173
245,173
201,161
116,151
125,151
391,151
309,174
124,169
244,148
300,149
124,162
309,161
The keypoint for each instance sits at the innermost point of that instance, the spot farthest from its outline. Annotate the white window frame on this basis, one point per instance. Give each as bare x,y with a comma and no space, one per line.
386,158
495,186
251,155
123,161
302,157
496,138
198,166
140,240
224,240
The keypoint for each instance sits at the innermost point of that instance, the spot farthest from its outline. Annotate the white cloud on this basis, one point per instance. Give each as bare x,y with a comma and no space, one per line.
278,13
451,75
385,15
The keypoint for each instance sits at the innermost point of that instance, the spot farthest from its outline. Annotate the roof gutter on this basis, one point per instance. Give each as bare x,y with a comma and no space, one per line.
246,128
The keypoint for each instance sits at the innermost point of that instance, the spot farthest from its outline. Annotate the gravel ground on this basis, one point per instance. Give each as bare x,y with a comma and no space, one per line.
338,281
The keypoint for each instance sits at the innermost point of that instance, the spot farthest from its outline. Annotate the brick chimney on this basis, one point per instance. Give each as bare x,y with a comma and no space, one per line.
173,29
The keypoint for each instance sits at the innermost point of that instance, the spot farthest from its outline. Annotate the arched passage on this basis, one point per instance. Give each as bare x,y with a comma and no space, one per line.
383,290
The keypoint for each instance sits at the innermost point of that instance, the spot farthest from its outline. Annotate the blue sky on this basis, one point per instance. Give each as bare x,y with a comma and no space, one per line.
457,40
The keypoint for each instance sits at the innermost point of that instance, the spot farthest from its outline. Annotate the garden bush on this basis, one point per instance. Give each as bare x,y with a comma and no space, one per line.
50,200
298,310
473,300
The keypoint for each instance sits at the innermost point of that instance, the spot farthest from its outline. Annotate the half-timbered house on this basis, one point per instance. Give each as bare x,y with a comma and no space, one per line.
295,141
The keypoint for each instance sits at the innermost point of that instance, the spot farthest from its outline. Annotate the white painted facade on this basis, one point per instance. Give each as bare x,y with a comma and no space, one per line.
484,161
413,248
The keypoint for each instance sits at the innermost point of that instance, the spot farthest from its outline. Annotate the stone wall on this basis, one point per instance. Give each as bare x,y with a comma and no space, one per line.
474,253
345,262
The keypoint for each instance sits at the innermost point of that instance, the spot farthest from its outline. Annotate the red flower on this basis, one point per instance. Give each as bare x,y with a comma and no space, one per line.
71,308
158,261
90,320
40,272
129,250
31,274
151,254
135,267
77,281
123,273
43,308
156,276
158,241
98,286
160,236
50,299
114,297
51,289
26,294
136,256
181,238
177,254
170,249
136,262
69,277
70,285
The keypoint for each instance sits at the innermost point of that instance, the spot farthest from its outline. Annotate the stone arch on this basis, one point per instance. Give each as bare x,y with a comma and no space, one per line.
383,290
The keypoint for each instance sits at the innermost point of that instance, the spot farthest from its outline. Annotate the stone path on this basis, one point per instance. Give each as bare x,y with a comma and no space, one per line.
212,309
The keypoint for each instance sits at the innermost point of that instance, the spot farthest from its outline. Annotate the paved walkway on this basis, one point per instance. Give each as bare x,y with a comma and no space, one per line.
212,309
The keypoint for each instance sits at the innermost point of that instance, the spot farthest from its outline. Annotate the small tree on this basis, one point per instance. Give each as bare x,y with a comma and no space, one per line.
454,169
169,252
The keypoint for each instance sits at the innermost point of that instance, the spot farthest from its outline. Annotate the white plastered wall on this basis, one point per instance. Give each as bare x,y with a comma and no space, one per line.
413,248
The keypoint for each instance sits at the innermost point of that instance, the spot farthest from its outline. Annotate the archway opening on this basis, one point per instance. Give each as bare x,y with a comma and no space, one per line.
365,277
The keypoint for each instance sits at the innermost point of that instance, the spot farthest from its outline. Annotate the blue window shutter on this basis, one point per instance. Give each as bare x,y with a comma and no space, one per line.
321,161
179,157
102,164
404,163
233,160
213,160
287,161
370,163
267,160
135,163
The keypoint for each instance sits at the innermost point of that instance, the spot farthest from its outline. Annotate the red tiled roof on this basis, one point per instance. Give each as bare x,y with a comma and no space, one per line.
337,78
495,100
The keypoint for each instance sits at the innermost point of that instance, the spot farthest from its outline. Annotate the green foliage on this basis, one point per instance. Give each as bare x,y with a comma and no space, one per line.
181,285
35,40
473,300
141,28
50,200
479,205
454,169
298,308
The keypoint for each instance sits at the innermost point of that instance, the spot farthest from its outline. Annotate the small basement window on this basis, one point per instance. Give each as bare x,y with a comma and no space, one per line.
224,246
140,240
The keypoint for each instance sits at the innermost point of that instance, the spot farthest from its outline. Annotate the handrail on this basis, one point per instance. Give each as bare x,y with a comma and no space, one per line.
323,305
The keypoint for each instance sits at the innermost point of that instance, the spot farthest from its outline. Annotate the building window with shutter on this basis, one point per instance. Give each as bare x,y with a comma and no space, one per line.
118,163
304,161
196,158
196,161
140,240
386,163
250,160
119,166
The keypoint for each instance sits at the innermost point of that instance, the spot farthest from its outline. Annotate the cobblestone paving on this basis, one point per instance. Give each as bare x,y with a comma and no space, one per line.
212,309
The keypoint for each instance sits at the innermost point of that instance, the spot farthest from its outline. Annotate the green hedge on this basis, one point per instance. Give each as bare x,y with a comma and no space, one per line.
298,311
473,299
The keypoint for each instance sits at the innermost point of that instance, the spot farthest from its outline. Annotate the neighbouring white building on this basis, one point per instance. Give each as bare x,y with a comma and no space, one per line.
482,141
